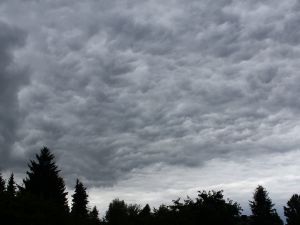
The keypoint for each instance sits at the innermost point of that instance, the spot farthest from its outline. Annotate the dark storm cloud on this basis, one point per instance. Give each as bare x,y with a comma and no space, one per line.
11,79
118,86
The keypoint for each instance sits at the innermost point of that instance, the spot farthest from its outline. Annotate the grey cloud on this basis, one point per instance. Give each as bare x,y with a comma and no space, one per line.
122,85
11,79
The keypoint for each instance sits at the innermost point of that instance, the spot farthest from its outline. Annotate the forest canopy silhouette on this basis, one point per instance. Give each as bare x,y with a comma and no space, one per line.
42,199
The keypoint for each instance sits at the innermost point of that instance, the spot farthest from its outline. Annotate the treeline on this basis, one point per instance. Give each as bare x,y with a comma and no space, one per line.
41,199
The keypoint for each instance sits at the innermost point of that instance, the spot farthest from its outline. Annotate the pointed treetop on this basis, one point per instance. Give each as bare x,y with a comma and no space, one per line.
2,184
94,214
79,201
11,186
261,204
146,210
43,179
262,208
45,159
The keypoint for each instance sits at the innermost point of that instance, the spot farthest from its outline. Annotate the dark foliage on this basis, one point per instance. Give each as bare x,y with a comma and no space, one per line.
263,212
292,210
43,180
2,185
245,220
209,208
2,199
43,197
42,200
117,213
79,211
145,215
11,187
94,216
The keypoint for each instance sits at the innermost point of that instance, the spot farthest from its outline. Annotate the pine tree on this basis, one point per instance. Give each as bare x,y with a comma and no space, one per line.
263,212
292,210
79,201
11,186
43,180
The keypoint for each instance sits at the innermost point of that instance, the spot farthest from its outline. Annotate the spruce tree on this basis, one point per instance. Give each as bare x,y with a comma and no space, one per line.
292,210
2,199
2,185
79,201
43,196
11,186
11,202
43,180
94,216
263,212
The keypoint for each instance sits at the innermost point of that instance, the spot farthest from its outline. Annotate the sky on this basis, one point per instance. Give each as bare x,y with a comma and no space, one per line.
153,100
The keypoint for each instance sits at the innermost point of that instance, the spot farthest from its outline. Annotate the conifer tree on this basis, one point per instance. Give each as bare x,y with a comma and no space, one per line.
43,180
2,184
10,202
79,201
2,198
43,196
292,210
145,215
11,186
94,216
146,211
263,212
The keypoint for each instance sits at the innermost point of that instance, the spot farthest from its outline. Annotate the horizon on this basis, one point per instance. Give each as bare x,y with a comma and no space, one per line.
153,199
150,100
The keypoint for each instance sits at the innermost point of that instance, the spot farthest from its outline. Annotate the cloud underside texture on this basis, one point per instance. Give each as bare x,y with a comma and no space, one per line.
116,88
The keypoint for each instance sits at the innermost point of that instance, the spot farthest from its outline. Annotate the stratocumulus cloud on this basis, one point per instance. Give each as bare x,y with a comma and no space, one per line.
118,87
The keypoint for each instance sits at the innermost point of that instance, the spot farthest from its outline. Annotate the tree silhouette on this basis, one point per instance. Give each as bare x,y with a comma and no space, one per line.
133,211
209,208
79,201
44,181
292,210
163,215
94,216
2,199
42,199
216,210
263,212
146,211
145,216
11,186
43,196
10,201
117,213
2,185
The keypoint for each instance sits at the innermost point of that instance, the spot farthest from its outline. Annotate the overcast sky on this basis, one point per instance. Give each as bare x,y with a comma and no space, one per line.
152,100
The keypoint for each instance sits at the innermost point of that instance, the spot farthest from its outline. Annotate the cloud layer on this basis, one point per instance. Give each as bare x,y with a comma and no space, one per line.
12,77
115,87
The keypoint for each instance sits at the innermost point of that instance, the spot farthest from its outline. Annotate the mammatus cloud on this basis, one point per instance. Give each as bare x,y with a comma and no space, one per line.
11,79
117,87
